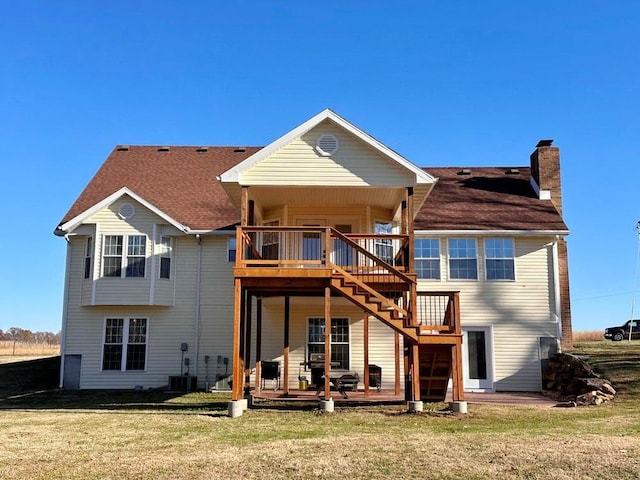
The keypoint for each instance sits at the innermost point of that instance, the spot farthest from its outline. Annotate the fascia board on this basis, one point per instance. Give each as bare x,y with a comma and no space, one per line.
484,233
77,220
233,174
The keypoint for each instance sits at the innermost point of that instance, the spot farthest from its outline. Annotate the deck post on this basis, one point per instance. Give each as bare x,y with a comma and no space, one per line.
327,343
247,343
415,368
258,345
286,345
365,320
396,345
237,313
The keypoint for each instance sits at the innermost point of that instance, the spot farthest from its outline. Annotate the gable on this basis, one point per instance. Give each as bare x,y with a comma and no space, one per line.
354,163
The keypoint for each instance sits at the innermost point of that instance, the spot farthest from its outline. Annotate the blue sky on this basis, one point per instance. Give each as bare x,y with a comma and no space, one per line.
443,83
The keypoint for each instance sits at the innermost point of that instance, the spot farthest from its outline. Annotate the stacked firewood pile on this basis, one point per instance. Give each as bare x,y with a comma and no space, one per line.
572,380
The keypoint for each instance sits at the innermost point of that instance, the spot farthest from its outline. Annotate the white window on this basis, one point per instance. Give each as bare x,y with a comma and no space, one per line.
427,254
499,258
463,263
231,249
339,340
88,256
384,247
125,344
116,264
165,257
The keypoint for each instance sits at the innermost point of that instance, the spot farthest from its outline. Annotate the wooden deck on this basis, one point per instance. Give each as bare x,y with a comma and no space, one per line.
358,397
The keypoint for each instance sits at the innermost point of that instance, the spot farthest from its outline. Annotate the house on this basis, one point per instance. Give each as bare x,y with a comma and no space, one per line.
217,267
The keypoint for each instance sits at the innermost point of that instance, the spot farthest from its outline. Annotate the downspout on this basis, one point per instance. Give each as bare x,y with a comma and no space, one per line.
198,282
556,292
65,308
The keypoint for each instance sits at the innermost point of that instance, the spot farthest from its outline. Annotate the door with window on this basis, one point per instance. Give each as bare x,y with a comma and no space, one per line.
477,354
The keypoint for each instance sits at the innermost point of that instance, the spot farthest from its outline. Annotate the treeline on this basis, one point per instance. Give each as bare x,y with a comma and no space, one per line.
15,334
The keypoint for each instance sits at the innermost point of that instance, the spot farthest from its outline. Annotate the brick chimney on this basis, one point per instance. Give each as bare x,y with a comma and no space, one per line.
545,171
545,179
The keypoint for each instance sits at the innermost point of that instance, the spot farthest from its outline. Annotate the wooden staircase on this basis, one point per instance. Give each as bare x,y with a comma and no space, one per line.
435,363
373,302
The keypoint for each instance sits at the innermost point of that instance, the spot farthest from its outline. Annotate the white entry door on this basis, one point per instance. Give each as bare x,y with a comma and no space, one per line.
477,354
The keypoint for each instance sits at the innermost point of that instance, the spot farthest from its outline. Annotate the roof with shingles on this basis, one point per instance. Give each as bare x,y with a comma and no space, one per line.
182,182
486,199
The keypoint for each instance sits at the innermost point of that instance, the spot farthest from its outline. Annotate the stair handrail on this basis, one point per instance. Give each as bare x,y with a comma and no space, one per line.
336,234
384,300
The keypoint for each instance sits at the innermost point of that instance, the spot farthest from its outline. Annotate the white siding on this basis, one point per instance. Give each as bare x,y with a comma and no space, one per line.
519,311
354,164
381,340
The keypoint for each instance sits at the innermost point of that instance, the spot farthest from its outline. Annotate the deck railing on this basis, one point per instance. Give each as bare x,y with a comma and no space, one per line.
438,311
308,246
378,261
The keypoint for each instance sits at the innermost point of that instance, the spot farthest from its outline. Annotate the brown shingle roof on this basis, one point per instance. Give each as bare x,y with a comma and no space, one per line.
181,182
487,199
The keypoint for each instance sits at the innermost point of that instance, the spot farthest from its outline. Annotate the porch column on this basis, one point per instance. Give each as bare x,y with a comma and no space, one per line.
411,265
327,343
286,346
244,206
236,390
247,347
258,345
365,320
241,346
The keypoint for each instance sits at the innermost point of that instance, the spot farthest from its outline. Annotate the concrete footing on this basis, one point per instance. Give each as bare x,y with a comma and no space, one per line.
236,408
415,406
326,405
459,407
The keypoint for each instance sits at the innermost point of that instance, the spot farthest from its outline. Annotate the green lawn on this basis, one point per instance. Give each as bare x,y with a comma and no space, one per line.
50,434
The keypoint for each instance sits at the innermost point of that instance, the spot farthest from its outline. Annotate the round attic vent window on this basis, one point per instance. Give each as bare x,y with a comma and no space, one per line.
327,145
126,211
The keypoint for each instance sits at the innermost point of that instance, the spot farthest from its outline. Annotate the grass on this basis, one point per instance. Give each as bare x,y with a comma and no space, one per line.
588,336
53,434
19,351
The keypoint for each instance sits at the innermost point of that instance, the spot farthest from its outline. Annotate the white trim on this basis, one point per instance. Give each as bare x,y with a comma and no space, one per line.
556,289
349,343
489,357
492,233
475,243
78,219
234,175
65,311
542,194
97,263
125,342
152,282
486,258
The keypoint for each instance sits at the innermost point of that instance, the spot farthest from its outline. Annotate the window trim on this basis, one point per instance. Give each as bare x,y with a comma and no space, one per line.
126,324
88,258
349,343
512,258
165,253
380,244
124,255
438,258
230,241
449,258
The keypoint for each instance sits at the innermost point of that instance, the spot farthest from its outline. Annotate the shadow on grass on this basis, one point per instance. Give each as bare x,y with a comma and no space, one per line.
32,385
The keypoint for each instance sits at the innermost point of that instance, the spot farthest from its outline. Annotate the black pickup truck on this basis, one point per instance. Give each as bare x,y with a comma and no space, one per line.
620,333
